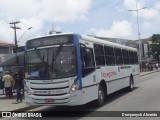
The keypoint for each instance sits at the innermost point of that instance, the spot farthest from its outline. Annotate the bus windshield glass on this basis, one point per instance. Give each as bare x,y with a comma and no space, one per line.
51,63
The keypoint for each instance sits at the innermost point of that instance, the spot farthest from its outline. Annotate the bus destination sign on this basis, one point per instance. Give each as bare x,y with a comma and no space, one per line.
50,40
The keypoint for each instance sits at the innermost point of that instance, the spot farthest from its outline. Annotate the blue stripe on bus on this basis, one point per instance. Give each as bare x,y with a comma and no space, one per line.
76,43
26,46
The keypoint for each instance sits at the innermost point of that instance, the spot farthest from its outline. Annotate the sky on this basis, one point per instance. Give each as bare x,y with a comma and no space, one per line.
103,18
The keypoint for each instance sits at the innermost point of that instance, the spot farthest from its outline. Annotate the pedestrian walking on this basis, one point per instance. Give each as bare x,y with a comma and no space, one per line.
18,77
149,67
8,82
156,65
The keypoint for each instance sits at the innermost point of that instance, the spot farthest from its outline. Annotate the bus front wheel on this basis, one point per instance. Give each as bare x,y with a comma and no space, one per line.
101,96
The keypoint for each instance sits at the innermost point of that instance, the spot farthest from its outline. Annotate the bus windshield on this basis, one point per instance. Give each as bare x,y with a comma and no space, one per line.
51,63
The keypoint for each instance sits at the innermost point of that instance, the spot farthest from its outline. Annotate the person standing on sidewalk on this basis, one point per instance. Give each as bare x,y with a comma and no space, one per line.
8,80
156,65
18,77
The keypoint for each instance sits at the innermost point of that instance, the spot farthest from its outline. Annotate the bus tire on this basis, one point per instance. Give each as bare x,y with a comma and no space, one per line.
131,84
101,96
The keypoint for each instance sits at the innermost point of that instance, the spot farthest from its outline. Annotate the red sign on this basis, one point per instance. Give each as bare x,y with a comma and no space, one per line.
50,100
108,74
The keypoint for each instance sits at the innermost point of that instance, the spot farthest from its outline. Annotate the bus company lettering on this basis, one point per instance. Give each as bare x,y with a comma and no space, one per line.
108,74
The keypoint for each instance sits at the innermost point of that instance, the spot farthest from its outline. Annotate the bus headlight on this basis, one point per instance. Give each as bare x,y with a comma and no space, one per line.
74,87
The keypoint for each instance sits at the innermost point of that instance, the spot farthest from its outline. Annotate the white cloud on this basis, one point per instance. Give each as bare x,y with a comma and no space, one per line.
6,32
18,9
119,29
36,12
148,18
56,10
131,4
148,13
25,34
157,5
65,10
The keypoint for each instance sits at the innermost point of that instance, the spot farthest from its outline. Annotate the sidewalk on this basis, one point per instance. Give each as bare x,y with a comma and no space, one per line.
149,72
9,104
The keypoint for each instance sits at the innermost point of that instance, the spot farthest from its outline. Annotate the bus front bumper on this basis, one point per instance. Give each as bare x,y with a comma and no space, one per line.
65,100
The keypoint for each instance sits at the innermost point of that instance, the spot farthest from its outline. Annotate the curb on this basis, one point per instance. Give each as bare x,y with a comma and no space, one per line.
24,109
150,72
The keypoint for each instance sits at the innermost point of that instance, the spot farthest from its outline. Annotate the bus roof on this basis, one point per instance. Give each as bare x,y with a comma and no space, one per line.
100,41
92,39
51,35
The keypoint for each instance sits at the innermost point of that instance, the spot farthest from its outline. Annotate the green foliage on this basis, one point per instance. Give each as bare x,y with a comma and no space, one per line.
154,50
155,38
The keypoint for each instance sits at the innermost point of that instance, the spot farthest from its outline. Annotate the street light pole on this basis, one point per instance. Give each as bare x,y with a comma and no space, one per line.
140,46
23,34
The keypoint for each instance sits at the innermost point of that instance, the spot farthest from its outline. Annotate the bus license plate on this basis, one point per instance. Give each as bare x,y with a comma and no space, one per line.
49,100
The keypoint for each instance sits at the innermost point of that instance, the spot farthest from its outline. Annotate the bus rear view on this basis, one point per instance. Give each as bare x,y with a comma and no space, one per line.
51,71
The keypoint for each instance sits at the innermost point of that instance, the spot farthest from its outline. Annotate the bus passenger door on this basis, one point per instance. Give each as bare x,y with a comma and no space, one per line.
87,61
88,74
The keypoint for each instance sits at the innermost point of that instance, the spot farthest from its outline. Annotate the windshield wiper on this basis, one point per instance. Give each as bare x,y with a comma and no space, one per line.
54,56
39,55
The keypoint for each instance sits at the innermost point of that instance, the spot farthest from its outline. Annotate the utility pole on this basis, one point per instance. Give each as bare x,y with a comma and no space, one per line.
15,34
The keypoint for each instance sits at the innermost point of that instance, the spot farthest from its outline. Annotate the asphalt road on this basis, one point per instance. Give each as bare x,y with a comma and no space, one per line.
145,97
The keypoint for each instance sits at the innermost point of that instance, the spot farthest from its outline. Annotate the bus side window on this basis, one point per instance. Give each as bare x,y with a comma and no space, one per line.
125,56
87,61
136,57
131,57
99,55
118,55
109,55
82,57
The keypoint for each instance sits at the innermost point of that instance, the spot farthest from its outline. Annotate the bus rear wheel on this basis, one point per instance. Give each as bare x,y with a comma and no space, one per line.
131,86
101,96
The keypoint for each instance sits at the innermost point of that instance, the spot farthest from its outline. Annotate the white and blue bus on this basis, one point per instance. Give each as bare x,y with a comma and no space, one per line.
73,69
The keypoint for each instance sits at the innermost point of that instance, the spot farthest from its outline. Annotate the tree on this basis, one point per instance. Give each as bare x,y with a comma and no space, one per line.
154,49
155,38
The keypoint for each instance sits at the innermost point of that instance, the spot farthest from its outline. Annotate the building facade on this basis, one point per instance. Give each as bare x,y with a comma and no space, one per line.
5,48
